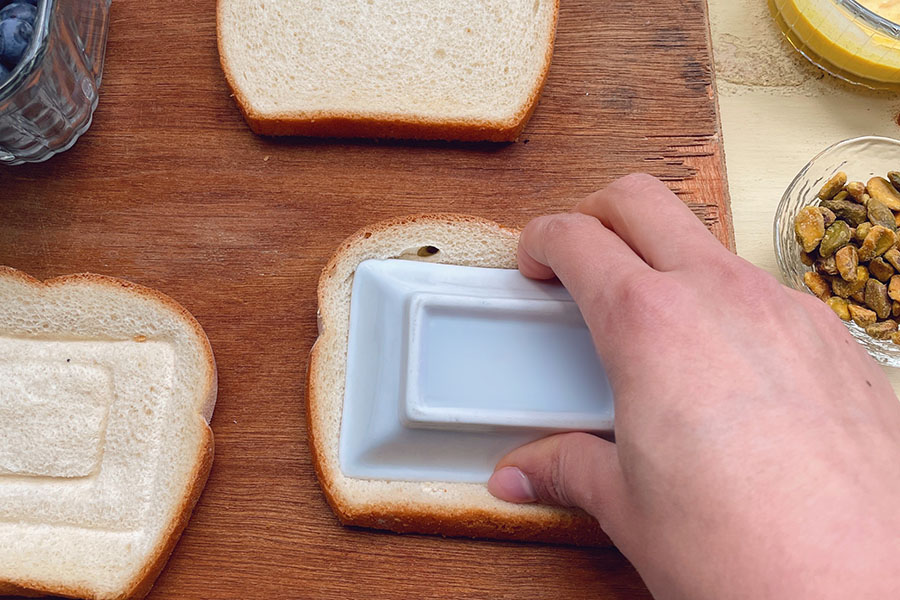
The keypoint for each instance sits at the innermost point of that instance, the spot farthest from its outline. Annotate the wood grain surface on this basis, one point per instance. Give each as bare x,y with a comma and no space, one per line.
171,190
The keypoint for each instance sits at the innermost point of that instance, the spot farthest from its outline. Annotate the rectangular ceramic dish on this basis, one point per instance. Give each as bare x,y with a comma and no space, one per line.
451,367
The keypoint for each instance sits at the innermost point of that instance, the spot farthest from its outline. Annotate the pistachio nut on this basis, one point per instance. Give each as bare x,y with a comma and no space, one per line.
856,190
862,316
809,225
877,242
836,236
881,189
880,269
877,298
880,214
882,330
840,306
833,186
855,214
846,260
817,284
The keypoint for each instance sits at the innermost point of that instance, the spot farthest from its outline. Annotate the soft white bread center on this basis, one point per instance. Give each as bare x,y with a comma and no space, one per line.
52,417
459,59
88,444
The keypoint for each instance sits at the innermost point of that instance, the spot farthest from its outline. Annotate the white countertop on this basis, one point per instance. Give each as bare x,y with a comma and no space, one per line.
777,112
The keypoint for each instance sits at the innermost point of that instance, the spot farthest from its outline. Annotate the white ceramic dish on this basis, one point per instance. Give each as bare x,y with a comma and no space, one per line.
449,368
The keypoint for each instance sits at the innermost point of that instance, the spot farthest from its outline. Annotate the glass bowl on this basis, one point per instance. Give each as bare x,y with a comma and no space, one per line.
844,38
861,158
49,99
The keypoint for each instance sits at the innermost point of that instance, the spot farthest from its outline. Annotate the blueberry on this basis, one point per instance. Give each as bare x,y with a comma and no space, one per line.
14,37
19,10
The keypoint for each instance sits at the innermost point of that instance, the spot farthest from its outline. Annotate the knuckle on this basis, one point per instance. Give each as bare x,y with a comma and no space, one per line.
729,269
762,288
567,225
640,179
725,264
746,282
562,460
639,182
650,297
555,484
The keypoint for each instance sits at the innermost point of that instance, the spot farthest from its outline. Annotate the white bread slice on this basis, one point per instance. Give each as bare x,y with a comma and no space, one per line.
106,391
453,509
429,69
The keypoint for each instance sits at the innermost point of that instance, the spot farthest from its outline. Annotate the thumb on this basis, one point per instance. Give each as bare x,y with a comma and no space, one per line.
569,469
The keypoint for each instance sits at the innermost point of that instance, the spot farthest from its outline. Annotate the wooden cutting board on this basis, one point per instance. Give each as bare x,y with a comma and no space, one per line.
171,190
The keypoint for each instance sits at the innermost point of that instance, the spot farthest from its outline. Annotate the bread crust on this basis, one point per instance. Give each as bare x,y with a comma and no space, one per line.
547,524
141,584
368,125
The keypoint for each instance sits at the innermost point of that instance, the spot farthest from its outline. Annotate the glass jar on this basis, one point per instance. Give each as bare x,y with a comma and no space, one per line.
844,38
49,99
861,158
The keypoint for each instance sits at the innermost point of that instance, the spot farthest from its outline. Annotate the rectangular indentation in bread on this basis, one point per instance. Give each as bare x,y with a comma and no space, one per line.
52,417
138,434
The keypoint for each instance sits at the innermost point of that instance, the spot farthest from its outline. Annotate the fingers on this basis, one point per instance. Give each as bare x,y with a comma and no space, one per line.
652,220
589,259
572,469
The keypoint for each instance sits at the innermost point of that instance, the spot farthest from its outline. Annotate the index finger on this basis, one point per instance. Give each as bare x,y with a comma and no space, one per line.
591,261
654,222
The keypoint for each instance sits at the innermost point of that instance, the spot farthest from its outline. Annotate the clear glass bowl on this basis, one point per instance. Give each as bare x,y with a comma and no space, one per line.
844,38
49,99
861,158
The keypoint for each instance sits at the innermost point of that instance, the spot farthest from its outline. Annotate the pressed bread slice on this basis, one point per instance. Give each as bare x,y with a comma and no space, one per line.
462,70
455,509
106,391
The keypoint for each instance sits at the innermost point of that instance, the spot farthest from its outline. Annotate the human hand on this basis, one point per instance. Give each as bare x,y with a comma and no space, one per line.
757,449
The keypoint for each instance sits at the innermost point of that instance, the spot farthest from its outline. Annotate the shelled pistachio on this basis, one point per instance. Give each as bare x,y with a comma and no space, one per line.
862,316
846,260
855,214
880,269
879,214
879,241
882,330
840,306
817,284
833,186
881,189
851,244
847,289
857,190
877,298
836,236
894,178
